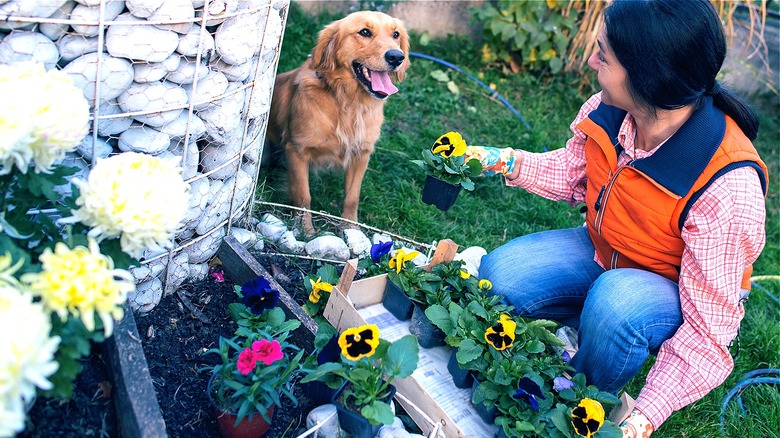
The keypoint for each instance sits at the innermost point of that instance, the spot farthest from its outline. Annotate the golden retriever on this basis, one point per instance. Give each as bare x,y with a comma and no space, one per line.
329,112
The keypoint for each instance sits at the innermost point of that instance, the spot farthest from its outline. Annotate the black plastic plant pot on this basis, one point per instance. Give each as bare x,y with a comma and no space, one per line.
397,302
460,377
488,415
440,193
428,335
318,392
351,421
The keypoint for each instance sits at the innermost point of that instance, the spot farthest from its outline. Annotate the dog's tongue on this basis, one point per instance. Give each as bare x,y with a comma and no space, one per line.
380,82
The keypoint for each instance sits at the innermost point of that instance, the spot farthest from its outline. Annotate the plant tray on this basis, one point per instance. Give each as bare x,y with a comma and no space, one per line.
429,395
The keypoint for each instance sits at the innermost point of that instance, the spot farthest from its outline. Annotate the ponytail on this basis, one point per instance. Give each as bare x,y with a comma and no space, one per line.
737,108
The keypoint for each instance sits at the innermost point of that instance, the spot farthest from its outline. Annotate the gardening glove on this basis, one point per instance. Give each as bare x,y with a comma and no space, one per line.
636,426
495,161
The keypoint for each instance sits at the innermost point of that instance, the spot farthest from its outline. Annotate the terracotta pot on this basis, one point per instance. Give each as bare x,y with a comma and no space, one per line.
226,420
397,302
440,193
351,421
428,335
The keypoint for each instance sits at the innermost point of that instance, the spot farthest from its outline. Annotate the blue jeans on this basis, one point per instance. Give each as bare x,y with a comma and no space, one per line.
621,315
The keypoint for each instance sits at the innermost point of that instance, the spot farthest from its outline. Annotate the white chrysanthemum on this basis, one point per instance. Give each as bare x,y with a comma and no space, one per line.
139,197
43,116
26,354
82,282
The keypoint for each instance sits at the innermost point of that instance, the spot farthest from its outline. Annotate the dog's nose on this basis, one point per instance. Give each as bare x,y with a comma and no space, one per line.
394,57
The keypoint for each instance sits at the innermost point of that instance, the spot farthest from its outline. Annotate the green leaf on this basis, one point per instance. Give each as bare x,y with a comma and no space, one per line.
401,358
378,412
535,346
561,421
453,87
440,317
609,430
235,310
440,75
468,350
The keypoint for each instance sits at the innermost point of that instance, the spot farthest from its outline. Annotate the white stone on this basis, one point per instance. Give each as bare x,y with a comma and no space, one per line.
189,43
187,71
90,149
287,243
139,138
328,247
73,45
243,236
27,8
177,272
82,13
115,75
358,243
222,116
220,161
199,199
381,238
143,8
146,272
55,31
107,125
154,71
202,249
140,42
271,227
260,245
199,271
420,260
189,156
20,46
472,256
88,2
238,37
327,415
185,234
168,99
234,72
206,90
219,206
261,96
392,432
179,127
146,296
174,10
218,9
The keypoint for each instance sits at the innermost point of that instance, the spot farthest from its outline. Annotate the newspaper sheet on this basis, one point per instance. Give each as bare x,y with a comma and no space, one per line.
432,375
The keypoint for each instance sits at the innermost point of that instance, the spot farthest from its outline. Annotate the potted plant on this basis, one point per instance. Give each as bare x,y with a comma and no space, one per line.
447,170
319,286
326,350
368,366
246,386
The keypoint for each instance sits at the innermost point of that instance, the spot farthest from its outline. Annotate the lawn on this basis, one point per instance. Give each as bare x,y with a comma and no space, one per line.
425,108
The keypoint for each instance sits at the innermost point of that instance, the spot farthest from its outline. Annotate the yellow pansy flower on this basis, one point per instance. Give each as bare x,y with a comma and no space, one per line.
359,342
501,335
317,287
587,417
450,144
400,258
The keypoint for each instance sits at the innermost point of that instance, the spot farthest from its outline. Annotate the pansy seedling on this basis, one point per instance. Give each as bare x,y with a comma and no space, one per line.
501,335
317,287
450,144
359,342
587,417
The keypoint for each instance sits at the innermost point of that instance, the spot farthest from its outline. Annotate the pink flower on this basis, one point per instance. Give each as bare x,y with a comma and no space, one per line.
246,361
266,351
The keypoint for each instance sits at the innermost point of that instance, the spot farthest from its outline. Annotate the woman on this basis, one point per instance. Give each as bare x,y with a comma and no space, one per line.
662,158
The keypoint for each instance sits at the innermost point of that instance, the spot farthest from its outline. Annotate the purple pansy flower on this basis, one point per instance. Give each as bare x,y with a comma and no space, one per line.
565,356
259,296
561,383
331,352
380,249
528,391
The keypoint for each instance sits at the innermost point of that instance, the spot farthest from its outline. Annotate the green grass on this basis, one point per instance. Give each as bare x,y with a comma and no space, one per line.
493,213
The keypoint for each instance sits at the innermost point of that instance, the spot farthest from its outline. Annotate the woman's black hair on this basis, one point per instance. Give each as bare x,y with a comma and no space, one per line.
672,51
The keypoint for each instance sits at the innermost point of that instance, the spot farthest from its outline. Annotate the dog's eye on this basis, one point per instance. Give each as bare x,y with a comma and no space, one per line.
365,32
396,35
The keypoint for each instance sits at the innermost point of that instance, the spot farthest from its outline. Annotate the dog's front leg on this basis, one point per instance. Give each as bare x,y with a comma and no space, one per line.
352,182
298,179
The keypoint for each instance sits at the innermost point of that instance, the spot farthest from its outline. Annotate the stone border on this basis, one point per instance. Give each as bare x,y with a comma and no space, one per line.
138,412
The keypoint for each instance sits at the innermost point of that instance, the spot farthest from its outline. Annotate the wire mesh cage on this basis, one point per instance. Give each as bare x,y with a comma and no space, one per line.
191,79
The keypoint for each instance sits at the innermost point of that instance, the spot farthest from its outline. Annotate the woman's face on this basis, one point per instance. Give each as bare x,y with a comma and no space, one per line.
612,76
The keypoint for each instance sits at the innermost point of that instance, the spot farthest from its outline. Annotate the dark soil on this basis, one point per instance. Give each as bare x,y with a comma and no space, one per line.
175,337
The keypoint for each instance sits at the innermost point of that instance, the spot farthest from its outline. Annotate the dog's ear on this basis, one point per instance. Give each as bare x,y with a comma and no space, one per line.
324,54
400,74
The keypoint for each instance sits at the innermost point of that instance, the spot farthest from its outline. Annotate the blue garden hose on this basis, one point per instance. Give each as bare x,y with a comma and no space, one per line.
493,93
747,379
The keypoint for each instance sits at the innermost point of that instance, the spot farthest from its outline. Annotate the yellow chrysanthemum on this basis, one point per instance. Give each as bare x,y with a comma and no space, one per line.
400,258
485,284
501,335
43,116
81,281
26,356
359,342
317,287
138,196
587,417
464,274
450,144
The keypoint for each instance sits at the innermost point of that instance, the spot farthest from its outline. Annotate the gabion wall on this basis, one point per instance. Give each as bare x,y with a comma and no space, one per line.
185,78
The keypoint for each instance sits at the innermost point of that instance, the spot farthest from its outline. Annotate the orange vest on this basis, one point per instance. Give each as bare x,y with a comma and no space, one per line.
636,211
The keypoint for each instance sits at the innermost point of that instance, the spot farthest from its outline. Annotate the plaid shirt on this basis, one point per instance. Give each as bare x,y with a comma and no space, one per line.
723,233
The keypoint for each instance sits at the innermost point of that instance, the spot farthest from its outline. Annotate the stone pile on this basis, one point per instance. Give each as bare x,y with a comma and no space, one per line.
185,78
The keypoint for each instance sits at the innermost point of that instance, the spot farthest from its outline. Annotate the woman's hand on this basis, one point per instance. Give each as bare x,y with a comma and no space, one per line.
495,161
636,426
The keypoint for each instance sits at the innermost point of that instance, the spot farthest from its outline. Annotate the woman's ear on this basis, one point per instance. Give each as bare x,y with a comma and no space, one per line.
324,53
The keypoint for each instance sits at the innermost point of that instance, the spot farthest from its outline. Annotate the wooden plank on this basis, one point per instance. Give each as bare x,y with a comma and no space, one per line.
241,267
445,252
347,275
